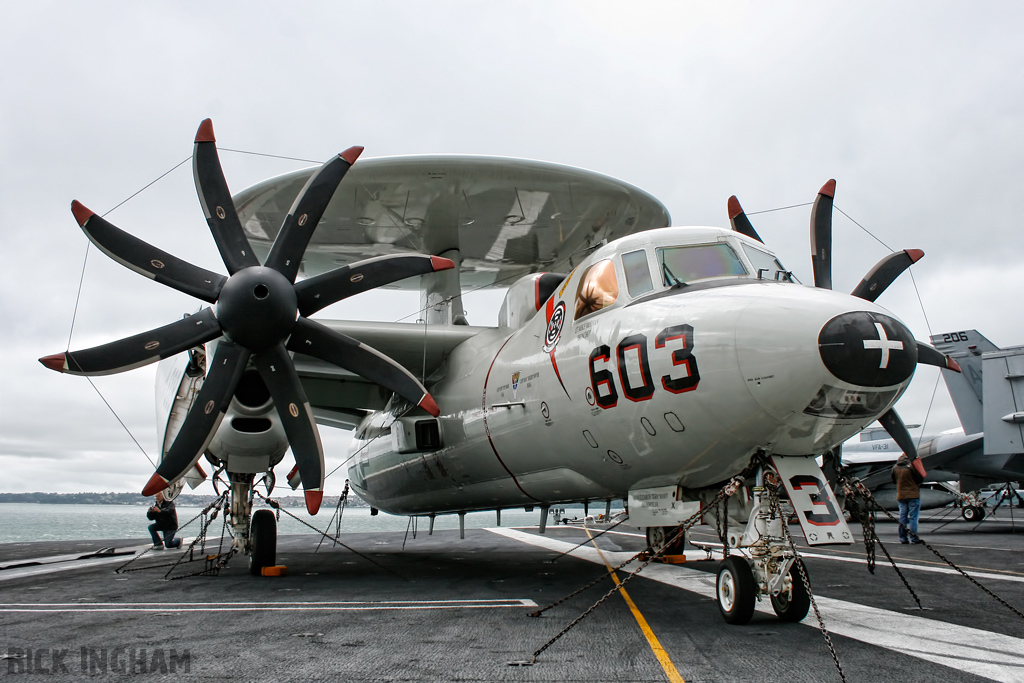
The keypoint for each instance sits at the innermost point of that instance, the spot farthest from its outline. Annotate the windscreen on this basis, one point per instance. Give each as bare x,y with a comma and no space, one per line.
766,266
682,265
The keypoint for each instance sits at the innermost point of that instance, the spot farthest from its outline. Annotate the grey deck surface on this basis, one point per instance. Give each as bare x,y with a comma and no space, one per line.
445,609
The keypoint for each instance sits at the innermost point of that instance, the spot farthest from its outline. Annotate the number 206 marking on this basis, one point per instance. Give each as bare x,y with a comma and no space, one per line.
603,381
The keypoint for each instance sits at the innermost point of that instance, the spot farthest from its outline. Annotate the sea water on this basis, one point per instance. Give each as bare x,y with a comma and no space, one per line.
20,522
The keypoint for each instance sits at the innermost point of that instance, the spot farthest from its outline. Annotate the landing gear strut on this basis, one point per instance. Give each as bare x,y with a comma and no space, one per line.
255,533
768,565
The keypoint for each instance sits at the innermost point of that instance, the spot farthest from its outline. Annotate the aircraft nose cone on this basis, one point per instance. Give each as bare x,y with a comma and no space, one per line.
868,349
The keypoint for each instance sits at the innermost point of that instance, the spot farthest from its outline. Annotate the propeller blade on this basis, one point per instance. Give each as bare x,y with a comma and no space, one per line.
325,289
313,339
885,273
145,259
305,213
929,355
217,203
203,418
278,372
898,431
821,235
740,222
138,350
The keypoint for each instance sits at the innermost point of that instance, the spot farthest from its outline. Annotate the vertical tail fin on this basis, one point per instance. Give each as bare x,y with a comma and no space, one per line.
965,388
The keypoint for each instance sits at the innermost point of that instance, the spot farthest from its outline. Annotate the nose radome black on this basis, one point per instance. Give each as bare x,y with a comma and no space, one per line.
868,349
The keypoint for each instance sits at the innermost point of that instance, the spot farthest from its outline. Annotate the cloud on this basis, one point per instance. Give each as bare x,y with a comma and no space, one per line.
915,109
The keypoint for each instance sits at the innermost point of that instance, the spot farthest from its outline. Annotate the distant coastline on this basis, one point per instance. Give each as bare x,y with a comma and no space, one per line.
185,500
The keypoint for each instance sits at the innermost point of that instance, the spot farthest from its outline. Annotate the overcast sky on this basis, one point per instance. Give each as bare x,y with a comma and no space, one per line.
915,109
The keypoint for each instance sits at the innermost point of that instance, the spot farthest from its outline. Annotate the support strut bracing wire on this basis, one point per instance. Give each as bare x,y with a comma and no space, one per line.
590,540
339,510
776,507
679,533
277,506
214,563
856,486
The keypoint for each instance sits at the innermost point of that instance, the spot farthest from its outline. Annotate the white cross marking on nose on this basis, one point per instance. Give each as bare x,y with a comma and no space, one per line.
884,344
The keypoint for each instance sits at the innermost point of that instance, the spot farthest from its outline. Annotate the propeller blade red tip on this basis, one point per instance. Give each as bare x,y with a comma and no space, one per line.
313,500
82,214
430,406
915,255
57,361
953,365
734,207
155,485
441,263
828,189
351,154
205,132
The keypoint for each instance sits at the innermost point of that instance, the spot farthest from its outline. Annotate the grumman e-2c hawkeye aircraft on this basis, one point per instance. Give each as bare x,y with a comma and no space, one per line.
666,364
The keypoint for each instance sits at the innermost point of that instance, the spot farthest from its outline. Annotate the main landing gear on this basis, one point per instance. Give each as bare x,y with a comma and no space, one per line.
263,537
255,534
973,513
660,536
763,562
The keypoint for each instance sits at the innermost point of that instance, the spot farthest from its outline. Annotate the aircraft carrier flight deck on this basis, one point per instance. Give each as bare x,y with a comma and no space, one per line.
449,609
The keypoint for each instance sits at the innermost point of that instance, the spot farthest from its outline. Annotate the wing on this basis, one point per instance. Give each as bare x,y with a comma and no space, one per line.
340,398
930,458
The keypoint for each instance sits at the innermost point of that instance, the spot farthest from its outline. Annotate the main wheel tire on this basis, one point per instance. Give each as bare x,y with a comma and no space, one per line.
973,513
735,589
981,512
263,532
657,536
793,606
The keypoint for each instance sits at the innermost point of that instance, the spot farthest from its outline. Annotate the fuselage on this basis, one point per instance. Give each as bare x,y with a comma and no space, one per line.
667,357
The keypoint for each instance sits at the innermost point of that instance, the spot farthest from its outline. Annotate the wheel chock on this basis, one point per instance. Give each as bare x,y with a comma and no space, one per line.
277,570
664,559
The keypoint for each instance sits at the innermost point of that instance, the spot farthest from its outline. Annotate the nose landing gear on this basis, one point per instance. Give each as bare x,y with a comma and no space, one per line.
764,562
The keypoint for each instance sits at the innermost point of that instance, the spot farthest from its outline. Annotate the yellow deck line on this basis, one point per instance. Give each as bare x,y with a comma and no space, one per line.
652,640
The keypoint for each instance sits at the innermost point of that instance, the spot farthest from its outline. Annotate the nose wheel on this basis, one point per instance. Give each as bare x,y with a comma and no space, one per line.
792,605
736,590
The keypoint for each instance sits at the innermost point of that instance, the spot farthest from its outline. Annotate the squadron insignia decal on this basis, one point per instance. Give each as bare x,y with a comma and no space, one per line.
554,331
556,319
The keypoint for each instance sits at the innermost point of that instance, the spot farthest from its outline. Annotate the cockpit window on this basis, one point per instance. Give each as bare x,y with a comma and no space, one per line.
683,265
598,288
766,266
638,273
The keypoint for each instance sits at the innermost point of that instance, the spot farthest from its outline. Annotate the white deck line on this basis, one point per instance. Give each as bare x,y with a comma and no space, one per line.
306,606
983,653
69,562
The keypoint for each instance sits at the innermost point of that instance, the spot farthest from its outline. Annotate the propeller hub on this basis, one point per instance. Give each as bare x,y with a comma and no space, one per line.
868,349
257,308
